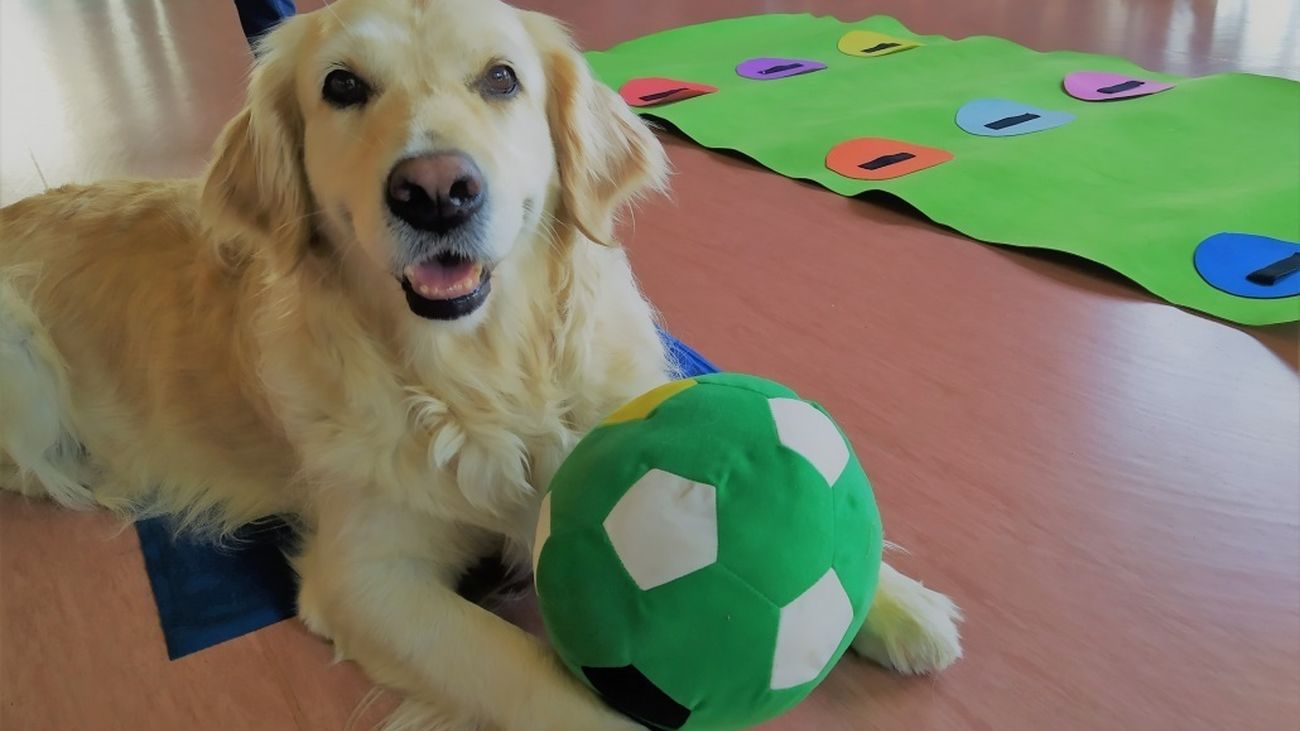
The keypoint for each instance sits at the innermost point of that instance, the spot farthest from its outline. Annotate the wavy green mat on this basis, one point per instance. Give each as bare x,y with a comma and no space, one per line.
1132,184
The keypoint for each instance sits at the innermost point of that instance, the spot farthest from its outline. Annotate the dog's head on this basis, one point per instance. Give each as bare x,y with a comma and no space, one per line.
426,141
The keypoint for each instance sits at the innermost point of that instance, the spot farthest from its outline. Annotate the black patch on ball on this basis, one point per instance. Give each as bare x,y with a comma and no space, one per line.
633,695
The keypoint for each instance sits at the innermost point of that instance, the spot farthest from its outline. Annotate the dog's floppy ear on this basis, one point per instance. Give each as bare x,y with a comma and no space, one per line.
605,153
255,188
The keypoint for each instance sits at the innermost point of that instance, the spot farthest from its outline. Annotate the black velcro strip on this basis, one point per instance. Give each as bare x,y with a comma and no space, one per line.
886,160
1122,86
780,68
1011,121
1275,272
662,94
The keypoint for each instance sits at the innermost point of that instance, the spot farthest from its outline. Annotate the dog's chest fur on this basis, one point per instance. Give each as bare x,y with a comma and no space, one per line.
468,434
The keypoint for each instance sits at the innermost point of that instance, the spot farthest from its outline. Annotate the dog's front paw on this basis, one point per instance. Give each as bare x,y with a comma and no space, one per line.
909,628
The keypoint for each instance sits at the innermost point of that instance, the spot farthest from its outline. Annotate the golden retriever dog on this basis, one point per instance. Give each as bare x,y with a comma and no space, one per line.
388,309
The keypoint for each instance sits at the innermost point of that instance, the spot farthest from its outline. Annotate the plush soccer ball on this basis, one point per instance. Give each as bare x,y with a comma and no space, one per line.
705,555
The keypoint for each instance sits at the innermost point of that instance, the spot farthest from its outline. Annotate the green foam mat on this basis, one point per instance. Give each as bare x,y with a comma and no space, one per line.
1134,184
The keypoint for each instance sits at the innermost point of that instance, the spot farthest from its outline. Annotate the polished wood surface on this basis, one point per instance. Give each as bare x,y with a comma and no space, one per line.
1108,485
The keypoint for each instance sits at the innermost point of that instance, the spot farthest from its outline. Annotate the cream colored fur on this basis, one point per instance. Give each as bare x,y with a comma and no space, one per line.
234,347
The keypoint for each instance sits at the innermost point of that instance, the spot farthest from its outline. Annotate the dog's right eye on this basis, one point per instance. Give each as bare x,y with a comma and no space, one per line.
345,89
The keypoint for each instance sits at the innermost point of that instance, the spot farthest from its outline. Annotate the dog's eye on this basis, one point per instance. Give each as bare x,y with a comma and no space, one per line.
500,80
345,89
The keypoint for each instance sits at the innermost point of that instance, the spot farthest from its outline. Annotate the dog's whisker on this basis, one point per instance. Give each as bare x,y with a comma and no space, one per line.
328,6
363,706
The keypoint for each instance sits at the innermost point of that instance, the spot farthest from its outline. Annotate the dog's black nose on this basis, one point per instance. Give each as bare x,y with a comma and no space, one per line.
436,192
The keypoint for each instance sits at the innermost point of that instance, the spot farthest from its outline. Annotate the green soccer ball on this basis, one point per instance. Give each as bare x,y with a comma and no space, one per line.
706,554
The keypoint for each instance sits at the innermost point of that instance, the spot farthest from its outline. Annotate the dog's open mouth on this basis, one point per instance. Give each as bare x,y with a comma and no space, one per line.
446,287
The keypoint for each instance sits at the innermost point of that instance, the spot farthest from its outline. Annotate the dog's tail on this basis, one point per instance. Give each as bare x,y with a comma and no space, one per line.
38,447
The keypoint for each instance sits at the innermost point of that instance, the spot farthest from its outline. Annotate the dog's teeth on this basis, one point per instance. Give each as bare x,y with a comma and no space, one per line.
419,281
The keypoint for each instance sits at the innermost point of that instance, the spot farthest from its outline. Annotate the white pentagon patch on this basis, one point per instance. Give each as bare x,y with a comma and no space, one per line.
811,630
809,432
543,531
664,528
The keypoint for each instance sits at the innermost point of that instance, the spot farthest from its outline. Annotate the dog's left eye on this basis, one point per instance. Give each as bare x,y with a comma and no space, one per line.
500,80
345,89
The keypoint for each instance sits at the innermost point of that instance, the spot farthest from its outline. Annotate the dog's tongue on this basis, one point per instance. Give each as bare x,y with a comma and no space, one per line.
437,281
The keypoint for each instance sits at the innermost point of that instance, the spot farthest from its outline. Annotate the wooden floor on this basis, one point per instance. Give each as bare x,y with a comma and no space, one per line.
1108,485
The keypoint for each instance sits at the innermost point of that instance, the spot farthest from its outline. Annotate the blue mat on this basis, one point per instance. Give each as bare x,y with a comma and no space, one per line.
208,594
